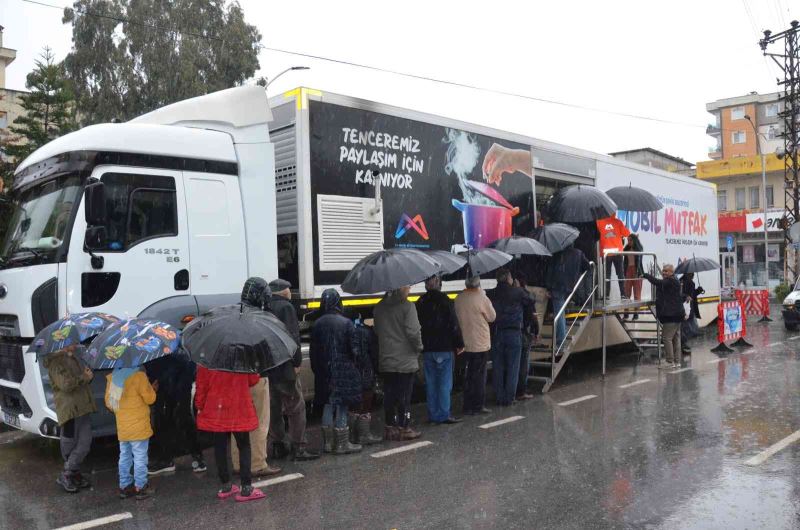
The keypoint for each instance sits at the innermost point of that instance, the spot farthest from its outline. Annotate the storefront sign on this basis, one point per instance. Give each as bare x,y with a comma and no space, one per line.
748,254
754,222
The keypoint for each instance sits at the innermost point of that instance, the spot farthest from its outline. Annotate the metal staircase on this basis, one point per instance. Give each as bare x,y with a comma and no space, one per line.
559,352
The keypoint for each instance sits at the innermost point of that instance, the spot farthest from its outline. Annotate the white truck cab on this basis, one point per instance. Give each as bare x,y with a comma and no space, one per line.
164,216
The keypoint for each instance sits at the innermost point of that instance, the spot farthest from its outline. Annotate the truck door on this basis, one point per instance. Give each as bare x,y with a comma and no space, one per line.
145,258
216,237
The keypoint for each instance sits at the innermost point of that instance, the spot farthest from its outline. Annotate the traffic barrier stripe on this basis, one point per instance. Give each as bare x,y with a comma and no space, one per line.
754,301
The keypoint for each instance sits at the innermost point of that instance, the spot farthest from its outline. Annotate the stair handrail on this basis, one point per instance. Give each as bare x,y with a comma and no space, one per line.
607,282
562,310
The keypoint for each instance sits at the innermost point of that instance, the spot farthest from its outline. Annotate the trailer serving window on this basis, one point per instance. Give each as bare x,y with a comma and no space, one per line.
140,207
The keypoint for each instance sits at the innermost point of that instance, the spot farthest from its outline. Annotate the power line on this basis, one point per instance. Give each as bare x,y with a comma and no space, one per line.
408,74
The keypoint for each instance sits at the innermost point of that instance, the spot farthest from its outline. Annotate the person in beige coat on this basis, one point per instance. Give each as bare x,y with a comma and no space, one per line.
475,312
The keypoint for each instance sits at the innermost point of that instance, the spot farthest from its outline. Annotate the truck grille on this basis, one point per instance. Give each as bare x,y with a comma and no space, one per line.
12,365
9,326
11,401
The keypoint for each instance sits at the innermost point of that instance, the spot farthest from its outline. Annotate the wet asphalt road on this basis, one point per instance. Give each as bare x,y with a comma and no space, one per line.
666,453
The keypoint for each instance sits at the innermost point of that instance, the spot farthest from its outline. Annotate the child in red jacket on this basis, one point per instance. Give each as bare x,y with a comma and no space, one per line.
224,407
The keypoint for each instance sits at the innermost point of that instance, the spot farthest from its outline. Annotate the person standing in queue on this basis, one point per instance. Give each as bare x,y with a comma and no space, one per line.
510,305
563,272
225,407
74,405
286,392
689,326
333,360
475,312
530,335
256,295
441,343
400,343
669,311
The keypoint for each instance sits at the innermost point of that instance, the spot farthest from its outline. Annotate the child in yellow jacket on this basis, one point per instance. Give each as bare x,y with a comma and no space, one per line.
129,395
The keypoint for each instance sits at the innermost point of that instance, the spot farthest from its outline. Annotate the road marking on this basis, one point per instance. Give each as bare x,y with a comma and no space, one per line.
775,344
714,361
277,480
680,370
500,422
577,400
409,447
99,522
761,457
639,382
794,338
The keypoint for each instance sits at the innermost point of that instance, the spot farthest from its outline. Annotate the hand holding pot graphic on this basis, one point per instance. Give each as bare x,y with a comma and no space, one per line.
500,160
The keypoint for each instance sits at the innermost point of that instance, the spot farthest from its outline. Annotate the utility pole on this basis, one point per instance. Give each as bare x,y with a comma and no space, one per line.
789,62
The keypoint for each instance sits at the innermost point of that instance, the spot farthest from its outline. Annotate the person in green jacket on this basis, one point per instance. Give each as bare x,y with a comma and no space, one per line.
74,404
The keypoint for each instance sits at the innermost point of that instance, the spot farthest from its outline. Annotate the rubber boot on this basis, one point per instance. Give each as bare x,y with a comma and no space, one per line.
343,445
352,424
365,436
327,439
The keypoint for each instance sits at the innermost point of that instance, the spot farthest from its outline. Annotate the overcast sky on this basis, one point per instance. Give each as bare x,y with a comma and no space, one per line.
663,60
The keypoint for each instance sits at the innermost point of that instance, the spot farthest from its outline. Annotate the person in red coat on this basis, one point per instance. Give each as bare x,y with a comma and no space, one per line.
225,408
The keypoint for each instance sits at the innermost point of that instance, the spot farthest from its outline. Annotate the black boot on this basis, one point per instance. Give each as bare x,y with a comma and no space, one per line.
365,436
279,451
343,445
300,454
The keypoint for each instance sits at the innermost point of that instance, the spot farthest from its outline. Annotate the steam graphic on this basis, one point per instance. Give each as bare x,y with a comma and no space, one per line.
463,152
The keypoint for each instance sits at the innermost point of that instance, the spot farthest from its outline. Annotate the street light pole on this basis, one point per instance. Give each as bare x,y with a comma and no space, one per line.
764,206
291,68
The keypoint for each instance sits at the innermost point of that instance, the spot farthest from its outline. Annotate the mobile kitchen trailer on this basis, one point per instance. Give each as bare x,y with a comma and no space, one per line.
166,215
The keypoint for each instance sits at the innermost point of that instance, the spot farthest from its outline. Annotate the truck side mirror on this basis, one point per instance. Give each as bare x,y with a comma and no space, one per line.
96,238
95,204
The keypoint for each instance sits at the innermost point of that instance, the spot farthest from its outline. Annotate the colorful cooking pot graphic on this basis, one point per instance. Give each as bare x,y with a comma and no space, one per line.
483,223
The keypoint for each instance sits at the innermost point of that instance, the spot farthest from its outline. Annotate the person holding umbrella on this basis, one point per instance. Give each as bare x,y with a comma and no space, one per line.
72,395
333,355
511,304
689,326
400,343
58,343
442,342
129,395
475,312
563,272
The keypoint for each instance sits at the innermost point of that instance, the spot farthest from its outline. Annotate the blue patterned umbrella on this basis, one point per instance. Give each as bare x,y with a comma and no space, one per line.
71,331
131,343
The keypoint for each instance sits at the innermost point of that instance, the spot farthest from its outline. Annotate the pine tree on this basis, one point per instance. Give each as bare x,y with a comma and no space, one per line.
49,109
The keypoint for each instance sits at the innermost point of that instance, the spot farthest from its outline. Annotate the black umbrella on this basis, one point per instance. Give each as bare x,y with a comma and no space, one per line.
391,269
485,260
634,199
555,236
238,338
581,204
696,265
448,261
518,245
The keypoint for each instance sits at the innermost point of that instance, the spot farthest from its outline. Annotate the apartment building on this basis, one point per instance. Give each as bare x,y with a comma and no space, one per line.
743,128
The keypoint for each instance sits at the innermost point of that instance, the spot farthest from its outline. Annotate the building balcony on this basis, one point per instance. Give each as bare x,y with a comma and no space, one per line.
713,129
714,153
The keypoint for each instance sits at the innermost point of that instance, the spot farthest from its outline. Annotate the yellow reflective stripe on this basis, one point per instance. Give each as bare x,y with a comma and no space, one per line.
351,302
301,95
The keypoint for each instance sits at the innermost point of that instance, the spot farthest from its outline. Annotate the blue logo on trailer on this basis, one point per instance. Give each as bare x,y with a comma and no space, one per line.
729,242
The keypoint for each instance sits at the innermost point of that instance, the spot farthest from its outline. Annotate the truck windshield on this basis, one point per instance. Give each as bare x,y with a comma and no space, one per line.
34,223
